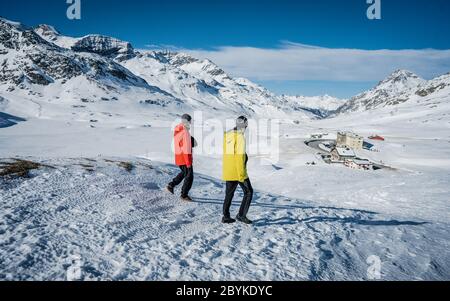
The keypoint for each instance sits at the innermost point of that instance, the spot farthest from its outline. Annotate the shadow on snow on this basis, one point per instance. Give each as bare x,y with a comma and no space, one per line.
7,120
357,219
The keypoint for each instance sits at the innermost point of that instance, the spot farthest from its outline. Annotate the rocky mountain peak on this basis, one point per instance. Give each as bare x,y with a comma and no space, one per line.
394,89
47,31
105,46
403,77
14,35
5,23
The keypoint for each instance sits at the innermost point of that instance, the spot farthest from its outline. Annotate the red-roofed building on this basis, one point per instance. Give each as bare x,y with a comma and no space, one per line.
377,137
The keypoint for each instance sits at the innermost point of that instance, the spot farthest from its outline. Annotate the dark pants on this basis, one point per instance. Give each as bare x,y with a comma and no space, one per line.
229,194
186,174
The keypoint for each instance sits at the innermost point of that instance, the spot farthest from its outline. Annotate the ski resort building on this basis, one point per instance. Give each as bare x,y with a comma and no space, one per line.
359,164
349,140
340,154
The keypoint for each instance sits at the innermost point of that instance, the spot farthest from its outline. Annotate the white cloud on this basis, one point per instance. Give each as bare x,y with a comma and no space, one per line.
293,61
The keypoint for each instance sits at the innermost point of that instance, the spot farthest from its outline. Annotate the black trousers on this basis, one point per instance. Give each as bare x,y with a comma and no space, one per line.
229,194
186,174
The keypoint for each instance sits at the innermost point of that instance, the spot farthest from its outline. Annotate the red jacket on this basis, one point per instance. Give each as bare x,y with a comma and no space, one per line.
183,146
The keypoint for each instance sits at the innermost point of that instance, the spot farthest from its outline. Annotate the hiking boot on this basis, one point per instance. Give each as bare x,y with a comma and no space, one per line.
187,198
244,220
228,220
170,189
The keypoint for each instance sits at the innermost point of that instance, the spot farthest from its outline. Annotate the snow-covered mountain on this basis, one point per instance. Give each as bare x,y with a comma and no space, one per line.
40,57
402,100
423,110
33,66
436,85
104,46
319,105
393,90
200,84
28,60
52,35
44,65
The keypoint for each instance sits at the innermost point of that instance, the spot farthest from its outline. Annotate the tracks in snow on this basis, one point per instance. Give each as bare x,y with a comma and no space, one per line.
119,225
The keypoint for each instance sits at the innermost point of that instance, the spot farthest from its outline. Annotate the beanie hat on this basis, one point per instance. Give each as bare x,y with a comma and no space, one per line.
241,122
186,117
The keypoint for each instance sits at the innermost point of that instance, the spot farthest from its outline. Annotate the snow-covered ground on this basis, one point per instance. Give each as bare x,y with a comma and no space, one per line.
120,225
320,222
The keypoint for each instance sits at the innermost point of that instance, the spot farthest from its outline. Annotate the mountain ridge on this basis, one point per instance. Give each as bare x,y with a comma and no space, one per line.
100,67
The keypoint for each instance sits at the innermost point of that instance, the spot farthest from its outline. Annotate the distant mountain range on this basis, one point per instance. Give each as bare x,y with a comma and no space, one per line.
42,64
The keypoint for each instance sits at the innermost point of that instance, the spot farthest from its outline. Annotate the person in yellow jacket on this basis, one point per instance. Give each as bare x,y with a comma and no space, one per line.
235,171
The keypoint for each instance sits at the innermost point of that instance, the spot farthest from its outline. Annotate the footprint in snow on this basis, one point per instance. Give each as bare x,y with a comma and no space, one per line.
151,186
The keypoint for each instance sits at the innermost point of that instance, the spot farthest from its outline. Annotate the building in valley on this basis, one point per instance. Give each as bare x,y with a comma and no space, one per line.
360,164
349,140
340,154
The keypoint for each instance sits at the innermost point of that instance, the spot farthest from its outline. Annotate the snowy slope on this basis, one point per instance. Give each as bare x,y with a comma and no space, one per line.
70,83
202,84
111,224
27,60
52,35
46,72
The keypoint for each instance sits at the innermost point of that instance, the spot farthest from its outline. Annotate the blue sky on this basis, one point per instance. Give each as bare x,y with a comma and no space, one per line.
223,30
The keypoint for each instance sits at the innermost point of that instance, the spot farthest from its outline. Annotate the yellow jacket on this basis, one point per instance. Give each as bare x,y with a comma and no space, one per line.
234,157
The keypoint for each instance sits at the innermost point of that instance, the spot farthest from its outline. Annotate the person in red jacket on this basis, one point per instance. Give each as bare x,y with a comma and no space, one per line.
183,158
